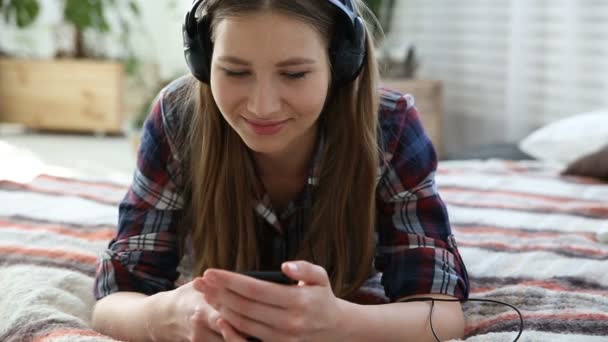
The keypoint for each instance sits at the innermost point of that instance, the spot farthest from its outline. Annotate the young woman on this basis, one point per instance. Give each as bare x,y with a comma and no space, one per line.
280,153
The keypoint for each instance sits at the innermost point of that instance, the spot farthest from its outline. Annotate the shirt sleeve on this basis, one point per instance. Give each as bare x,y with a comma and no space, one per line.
143,256
416,251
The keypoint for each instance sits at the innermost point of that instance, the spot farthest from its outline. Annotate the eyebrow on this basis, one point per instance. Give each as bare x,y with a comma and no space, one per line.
288,62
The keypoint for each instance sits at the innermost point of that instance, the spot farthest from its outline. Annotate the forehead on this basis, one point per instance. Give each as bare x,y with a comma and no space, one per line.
268,34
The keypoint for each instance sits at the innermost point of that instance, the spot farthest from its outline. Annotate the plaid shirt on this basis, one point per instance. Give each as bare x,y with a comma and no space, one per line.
415,251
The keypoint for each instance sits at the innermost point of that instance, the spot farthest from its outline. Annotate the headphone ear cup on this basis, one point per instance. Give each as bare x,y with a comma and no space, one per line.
360,46
347,52
198,49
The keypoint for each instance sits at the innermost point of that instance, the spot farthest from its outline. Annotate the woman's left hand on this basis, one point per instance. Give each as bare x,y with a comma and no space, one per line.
308,311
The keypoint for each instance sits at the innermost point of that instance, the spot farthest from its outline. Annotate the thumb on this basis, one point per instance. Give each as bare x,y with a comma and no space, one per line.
306,272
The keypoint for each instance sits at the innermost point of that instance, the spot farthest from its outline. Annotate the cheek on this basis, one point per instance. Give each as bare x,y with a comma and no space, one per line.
312,102
308,97
226,96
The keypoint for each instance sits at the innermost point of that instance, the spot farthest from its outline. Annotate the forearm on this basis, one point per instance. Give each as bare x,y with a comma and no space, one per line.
403,321
128,316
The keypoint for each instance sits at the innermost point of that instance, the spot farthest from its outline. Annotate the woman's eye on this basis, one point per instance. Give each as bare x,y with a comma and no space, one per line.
295,76
237,74
241,74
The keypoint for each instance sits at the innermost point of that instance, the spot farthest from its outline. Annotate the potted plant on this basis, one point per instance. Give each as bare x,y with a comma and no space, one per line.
397,59
383,11
81,89
23,12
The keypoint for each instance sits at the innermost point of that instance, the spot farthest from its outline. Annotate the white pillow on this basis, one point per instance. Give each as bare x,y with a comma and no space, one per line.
568,139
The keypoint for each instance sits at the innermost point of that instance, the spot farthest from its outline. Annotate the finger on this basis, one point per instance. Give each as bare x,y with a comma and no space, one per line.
229,333
197,284
247,326
204,335
251,288
271,315
200,330
212,320
306,272
212,294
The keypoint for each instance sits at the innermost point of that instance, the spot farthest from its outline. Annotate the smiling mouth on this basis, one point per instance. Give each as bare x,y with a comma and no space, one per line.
266,127
265,123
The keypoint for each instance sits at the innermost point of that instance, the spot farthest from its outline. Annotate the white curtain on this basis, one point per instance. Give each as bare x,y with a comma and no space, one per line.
508,66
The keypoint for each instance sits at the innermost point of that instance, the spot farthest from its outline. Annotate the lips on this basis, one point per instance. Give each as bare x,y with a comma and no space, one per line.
266,127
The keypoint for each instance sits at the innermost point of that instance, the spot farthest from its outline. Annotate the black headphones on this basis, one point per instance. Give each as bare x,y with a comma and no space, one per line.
347,50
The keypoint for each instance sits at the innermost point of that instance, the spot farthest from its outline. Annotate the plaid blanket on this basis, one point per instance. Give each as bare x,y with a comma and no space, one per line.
529,238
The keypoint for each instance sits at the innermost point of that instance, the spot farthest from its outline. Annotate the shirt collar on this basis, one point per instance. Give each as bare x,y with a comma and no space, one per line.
263,204
314,167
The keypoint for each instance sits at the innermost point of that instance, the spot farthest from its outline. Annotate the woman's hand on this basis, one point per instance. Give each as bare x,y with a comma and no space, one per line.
308,311
187,317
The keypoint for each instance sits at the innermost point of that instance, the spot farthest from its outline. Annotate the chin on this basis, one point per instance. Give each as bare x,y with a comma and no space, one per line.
265,147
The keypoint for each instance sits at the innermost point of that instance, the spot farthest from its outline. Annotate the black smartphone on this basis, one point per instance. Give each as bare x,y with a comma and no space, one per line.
272,276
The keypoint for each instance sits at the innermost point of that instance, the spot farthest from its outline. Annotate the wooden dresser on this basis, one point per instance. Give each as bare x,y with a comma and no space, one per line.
63,94
429,101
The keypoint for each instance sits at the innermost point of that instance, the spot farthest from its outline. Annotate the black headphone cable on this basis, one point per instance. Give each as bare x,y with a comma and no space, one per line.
424,299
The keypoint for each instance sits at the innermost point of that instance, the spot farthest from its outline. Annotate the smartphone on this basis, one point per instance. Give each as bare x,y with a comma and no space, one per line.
272,276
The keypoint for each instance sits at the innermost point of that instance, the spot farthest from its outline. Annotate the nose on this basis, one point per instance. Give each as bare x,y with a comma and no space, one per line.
264,99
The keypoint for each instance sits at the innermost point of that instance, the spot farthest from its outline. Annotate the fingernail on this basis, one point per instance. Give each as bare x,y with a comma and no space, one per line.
199,284
220,324
292,267
210,279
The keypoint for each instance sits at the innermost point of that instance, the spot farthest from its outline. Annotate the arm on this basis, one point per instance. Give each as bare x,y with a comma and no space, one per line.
416,250
126,316
309,311
403,321
173,316
141,260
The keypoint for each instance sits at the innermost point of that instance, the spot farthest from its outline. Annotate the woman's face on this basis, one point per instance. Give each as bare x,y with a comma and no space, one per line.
270,75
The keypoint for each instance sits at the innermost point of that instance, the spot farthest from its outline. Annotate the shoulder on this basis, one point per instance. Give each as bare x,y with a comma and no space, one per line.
174,104
392,100
400,126
162,151
175,100
173,95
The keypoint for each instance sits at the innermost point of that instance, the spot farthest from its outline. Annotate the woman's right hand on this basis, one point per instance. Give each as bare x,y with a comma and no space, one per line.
183,314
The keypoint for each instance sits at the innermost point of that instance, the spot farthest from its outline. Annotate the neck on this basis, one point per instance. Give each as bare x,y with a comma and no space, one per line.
292,163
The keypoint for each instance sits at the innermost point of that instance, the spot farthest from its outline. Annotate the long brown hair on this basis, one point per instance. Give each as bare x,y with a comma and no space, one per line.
220,218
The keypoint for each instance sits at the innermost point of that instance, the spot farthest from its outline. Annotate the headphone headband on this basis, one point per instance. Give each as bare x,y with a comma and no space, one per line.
348,47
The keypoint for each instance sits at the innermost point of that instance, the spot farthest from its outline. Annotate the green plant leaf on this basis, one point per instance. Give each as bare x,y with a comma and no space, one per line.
7,16
25,12
134,8
1,3
99,20
78,13
131,65
91,14
374,5
33,8
86,14
103,25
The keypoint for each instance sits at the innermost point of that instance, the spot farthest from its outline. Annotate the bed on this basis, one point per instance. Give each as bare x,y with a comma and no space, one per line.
529,237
